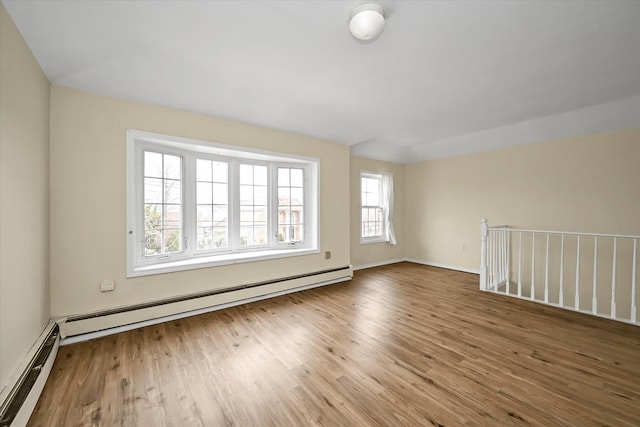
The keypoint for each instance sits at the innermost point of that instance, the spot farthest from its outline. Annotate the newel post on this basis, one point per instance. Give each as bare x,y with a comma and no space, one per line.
484,268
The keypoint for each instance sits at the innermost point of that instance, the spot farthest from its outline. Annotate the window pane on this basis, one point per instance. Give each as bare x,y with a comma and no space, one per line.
220,214
246,236
246,174
172,191
284,195
220,237
283,233
204,190
152,164
260,195
260,234
153,216
204,238
220,173
220,194
172,167
260,175
204,216
260,213
297,178
203,170
297,196
246,214
171,241
284,215
152,190
152,242
172,216
297,214
283,177
246,195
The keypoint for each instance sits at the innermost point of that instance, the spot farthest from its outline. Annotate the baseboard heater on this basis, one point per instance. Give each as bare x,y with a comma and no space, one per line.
19,403
70,320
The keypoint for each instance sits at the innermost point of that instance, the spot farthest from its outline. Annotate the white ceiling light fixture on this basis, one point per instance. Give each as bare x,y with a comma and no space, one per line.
367,22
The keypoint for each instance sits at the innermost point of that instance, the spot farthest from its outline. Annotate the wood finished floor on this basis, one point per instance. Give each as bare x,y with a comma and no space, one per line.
399,345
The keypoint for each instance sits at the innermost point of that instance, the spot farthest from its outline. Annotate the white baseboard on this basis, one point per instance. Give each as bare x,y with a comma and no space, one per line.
418,261
110,331
447,266
379,264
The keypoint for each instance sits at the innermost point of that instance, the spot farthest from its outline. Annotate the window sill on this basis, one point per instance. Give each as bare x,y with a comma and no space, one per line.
373,240
217,260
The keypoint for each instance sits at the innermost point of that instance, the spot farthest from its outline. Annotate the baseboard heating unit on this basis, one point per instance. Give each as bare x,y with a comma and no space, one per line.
19,402
106,322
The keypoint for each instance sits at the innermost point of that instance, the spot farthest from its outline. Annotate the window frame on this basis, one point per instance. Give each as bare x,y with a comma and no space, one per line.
382,237
191,257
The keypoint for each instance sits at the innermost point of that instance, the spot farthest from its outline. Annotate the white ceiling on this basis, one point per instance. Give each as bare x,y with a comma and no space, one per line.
445,78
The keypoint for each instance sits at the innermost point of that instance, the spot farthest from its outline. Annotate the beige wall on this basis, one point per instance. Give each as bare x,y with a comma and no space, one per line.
88,212
588,183
24,198
374,253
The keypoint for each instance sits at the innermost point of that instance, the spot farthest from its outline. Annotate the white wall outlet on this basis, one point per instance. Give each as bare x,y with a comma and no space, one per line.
464,247
107,285
327,255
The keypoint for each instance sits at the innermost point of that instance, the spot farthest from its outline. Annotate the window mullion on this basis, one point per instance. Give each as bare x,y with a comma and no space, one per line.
272,203
189,204
234,205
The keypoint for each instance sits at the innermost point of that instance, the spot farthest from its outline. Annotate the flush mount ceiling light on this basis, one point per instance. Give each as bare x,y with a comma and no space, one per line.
367,22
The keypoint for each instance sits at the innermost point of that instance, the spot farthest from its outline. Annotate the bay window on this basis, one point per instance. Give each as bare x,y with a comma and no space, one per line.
194,204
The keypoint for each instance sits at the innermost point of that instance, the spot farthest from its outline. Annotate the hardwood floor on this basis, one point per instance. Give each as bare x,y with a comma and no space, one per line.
399,345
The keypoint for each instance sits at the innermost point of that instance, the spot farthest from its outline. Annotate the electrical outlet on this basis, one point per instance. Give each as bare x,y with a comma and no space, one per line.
464,247
107,285
327,255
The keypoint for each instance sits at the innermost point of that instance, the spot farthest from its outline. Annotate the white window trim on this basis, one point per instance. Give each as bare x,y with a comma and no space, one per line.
189,149
375,239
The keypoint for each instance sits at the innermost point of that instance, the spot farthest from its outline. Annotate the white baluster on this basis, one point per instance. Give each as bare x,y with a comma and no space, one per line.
520,265
504,257
577,298
497,254
496,260
503,253
533,265
546,274
508,266
561,295
634,282
492,259
483,255
594,296
613,279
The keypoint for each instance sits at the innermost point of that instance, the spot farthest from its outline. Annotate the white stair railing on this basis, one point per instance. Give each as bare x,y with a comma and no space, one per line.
543,263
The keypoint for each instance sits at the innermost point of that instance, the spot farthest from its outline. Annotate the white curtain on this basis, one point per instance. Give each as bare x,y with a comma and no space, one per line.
387,200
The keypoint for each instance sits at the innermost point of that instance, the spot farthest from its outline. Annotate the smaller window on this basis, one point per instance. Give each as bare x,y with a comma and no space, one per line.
376,207
372,218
